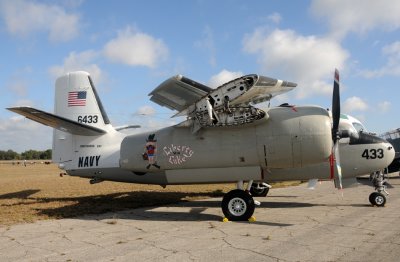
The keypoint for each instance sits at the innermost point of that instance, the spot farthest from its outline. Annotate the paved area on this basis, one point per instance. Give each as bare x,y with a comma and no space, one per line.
293,224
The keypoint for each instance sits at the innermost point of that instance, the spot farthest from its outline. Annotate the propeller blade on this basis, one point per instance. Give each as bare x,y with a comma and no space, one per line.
335,107
312,183
335,156
338,166
331,163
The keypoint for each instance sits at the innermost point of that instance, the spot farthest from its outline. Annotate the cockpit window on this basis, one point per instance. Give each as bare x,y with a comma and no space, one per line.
359,127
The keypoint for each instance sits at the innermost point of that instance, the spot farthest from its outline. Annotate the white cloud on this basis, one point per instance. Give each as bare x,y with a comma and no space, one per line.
275,18
306,60
146,110
21,134
223,77
359,16
207,43
135,48
392,66
25,17
384,106
24,102
354,103
132,48
79,61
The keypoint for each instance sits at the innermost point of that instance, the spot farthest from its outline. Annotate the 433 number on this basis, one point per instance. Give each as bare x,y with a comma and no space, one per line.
373,153
88,119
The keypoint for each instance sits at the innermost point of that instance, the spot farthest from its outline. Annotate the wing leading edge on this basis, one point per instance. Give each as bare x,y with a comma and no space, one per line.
57,122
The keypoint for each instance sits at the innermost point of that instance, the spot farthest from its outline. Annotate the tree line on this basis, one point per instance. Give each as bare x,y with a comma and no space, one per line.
27,155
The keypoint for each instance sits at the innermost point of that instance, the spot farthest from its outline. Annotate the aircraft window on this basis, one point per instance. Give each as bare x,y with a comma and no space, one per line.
359,127
347,126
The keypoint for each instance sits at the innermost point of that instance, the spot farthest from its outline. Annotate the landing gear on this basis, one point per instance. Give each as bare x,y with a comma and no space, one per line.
259,189
238,205
378,198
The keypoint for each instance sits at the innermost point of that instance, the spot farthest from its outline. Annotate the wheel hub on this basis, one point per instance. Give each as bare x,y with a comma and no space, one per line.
237,206
379,200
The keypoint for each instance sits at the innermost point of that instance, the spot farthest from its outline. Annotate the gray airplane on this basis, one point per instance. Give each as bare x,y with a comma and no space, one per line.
224,138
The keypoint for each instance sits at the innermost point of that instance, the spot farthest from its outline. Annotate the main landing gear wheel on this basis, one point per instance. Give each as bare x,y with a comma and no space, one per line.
238,205
259,191
377,199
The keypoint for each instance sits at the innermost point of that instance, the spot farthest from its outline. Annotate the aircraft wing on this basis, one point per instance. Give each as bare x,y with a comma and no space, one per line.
188,96
178,92
57,122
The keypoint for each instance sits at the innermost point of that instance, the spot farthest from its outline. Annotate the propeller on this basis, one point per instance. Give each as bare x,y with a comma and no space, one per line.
335,108
336,135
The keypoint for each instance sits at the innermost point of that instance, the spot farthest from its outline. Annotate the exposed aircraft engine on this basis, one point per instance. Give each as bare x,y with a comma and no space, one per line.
233,116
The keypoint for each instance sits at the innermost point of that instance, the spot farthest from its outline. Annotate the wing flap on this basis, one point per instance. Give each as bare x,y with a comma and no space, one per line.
57,122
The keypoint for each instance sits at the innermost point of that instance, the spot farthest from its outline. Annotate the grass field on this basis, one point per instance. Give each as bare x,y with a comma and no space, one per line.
37,192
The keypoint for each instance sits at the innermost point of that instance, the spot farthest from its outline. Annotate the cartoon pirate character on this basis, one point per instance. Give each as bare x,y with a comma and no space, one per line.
151,151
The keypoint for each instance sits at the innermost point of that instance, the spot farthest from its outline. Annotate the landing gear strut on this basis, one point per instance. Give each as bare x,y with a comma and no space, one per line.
259,189
378,198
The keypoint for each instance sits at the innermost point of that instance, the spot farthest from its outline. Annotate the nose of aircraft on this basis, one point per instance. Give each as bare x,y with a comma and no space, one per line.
376,153
390,153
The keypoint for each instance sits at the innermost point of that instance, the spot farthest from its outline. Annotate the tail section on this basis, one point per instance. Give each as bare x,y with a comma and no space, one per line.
76,99
82,129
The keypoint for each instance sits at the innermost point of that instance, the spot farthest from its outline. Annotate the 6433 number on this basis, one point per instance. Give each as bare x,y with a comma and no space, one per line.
89,119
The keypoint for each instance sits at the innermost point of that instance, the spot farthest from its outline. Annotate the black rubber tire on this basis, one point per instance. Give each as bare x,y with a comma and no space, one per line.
377,199
258,192
238,205
371,198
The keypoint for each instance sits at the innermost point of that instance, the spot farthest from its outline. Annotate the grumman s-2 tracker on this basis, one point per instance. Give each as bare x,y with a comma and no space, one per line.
225,138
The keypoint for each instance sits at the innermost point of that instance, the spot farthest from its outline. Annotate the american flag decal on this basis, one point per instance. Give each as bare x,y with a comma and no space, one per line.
77,98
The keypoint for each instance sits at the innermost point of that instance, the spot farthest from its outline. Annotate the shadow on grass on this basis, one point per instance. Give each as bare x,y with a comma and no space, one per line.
68,207
24,194
84,207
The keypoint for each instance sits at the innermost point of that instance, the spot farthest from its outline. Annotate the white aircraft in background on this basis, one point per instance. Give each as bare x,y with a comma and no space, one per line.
224,139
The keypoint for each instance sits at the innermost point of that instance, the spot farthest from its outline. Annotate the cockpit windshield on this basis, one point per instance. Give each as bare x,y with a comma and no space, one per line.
359,127
352,125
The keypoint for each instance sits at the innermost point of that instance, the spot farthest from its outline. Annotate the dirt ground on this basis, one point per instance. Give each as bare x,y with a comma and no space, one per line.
36,192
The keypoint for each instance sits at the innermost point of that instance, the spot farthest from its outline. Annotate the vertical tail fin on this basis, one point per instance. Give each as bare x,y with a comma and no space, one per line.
76,99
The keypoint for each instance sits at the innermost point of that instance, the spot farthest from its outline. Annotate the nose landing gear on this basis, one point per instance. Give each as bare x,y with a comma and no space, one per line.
378,198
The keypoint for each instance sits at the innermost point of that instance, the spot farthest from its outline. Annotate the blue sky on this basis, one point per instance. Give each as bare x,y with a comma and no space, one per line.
129,47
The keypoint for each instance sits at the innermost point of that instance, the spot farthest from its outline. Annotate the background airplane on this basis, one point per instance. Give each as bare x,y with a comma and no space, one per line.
224,139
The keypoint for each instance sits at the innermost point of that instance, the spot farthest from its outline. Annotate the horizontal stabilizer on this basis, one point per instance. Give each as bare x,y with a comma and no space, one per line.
57,122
